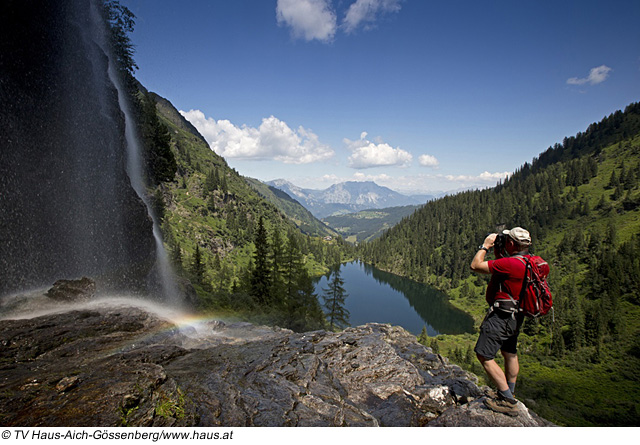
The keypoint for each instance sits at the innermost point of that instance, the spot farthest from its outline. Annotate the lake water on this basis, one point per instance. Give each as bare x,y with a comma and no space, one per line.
377,296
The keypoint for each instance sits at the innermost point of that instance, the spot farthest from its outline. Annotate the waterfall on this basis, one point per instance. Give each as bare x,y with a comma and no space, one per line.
163,273
73,202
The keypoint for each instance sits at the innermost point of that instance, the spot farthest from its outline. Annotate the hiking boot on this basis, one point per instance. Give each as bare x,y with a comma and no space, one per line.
502,405
491,393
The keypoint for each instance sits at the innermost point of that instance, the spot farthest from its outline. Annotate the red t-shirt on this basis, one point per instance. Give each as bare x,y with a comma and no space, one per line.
507,275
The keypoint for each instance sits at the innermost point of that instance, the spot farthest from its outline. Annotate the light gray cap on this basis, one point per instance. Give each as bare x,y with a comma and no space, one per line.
519,234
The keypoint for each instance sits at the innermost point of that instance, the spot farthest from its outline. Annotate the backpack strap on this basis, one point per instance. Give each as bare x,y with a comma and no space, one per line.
527,265
523,258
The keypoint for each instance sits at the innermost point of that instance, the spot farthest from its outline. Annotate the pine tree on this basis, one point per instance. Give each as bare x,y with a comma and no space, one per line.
575,317
176,256
161,164
304,308
630,180
197,266
261,277
211,203
614,181
224,187
121,23
557,342
293,292
292,265
469,355
334,302
211,181
277,262
423,338
617,192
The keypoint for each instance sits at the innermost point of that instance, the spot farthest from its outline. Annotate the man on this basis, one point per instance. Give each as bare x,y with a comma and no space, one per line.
501,326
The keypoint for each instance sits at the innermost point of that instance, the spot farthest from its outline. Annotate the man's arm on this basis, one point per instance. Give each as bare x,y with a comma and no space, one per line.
478,264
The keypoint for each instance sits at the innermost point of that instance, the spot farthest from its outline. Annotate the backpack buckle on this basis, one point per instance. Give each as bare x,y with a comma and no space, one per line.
508,306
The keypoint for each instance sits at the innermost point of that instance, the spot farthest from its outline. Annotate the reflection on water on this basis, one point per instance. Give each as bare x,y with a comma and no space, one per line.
377,296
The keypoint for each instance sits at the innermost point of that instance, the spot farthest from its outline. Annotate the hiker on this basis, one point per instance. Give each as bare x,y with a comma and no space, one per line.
501,326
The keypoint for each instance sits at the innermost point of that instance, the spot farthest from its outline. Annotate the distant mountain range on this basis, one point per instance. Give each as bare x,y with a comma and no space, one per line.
347,197
296,212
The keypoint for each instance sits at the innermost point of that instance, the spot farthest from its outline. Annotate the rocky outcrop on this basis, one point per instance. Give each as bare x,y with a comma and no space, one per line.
109,364
73,290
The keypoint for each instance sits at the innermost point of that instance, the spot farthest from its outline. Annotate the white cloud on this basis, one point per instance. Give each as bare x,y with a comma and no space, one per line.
273,140
317,19
308,19
597,75
484,177
428,161
366,12
497,176
367,154
438,183
429,183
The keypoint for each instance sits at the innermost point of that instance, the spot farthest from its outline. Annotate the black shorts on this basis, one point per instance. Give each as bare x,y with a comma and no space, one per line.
498,331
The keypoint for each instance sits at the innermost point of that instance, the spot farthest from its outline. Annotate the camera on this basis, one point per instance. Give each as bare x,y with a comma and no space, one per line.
499,246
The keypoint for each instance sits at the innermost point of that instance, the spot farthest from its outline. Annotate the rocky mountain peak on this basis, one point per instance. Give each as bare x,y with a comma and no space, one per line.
345,197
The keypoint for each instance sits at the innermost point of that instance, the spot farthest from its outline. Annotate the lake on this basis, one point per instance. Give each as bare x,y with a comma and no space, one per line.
382,297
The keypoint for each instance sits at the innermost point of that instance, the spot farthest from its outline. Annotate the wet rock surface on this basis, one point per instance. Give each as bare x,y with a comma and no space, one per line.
73,290
125,365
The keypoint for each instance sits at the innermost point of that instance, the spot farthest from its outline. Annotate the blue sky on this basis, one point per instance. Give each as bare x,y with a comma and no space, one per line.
417,95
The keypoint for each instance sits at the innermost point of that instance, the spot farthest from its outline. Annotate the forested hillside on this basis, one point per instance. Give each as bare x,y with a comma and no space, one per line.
233,251
237,249
300,216
581,202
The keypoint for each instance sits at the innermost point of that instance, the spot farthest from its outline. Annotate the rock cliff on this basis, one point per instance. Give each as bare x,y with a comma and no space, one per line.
119,362
68,208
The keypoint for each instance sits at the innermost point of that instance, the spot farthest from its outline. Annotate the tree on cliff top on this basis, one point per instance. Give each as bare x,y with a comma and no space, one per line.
121,22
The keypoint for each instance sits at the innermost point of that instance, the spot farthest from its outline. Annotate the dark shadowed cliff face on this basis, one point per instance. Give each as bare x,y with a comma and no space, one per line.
66,205
115,363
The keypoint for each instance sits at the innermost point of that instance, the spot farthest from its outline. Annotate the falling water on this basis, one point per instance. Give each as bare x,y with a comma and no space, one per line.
163,272
73,201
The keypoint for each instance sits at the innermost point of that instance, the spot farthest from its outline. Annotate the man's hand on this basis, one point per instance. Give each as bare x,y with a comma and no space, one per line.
479,264
490,240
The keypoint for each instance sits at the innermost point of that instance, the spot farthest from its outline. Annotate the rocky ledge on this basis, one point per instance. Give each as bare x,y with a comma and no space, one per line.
109,364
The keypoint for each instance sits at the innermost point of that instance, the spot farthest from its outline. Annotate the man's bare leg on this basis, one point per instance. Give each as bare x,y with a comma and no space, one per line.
495,373
505,402
511,368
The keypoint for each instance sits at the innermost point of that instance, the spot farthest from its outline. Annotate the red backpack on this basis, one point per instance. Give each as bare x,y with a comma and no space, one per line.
535,296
